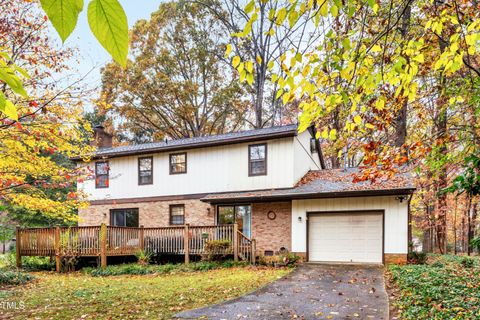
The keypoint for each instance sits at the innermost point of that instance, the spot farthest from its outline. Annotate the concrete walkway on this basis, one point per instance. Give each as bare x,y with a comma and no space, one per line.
313,291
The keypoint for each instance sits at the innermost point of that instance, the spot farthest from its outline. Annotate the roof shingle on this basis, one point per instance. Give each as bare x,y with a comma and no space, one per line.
196,142
324,184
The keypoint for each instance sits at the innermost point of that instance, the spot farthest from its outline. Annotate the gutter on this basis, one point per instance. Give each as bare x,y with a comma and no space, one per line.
311,195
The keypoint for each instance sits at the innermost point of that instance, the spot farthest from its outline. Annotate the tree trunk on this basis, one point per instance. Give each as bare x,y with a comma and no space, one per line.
401,116
440,131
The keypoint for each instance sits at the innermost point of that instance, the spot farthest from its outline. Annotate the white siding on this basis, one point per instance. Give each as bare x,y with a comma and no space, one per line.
396,218
304,160
213,169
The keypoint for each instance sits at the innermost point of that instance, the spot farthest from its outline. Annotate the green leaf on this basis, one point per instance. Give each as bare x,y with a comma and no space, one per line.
334,10
8,108
8,76
63,14
108,23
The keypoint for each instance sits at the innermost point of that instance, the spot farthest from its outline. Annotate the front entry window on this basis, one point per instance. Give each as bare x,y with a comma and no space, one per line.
240,214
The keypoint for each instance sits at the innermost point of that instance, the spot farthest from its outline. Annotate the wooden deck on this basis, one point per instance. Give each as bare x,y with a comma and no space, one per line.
104,241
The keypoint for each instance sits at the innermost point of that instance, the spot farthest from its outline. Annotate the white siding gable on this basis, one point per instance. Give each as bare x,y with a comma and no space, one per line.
209,170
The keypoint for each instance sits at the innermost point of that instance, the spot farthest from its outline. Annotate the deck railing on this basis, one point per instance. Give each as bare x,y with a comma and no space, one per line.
102,241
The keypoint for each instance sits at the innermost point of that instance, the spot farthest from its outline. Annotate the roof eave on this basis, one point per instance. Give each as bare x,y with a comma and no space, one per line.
311,195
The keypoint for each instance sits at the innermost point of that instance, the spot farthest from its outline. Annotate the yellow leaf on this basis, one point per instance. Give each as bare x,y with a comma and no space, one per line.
235,61
249,66
249,7
281,15
324,8
250,78
325,134
357,119
380,104
333,134
228,50
376,48
286,97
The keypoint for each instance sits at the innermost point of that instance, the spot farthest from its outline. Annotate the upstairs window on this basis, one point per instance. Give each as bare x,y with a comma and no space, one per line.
178,163
177,214
145,170
313,145
124,217
257,159
101,174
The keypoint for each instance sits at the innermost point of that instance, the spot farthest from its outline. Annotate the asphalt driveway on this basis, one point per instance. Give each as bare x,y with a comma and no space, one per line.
310,292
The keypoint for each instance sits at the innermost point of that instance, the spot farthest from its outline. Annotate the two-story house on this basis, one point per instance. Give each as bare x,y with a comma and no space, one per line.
268,181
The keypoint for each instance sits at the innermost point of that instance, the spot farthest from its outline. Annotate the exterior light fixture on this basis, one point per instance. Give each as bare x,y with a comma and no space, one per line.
299,219
401,198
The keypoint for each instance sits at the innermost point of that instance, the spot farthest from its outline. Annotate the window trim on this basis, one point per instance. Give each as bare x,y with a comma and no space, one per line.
170,162
151,171
250,174
108,174
123,209
170,207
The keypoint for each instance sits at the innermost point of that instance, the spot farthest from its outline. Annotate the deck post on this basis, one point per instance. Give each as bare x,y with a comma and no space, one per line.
186,244
141,239
253,245
235,242
18,243
103,245
58,261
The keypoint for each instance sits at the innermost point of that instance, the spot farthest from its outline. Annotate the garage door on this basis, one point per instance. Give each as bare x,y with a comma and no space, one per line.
345,237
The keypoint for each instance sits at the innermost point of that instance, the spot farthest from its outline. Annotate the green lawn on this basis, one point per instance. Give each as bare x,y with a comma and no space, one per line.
442,289
81,296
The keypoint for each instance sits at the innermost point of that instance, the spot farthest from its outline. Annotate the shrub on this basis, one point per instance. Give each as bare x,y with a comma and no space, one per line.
476,243
137,269
417,257
28,263
437,264
216,250
290,259
8,277
467,262
143,257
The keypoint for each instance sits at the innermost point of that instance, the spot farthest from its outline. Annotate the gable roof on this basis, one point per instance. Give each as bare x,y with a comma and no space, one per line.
323,184
197,142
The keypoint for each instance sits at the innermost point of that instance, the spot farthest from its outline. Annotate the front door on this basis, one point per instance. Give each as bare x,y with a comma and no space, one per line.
240,214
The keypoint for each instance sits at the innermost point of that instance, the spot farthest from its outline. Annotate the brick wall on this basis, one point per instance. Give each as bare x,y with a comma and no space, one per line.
272,234
151,214
395,258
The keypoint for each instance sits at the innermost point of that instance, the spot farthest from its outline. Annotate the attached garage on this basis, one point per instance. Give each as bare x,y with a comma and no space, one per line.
351,237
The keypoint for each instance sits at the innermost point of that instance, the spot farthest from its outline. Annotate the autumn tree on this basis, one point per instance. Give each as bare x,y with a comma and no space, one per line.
38,139
393,83
255,44
175,84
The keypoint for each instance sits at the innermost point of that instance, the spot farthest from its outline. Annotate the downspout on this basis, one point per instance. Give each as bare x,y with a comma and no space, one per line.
409,230
313,133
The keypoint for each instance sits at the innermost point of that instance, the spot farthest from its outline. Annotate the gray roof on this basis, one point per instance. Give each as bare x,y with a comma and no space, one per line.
197,142
324,184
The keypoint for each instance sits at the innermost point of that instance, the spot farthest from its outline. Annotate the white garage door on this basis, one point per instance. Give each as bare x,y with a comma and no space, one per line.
345,237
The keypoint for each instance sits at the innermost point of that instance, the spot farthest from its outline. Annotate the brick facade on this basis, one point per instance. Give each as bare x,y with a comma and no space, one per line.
395,258
151,214
272,234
